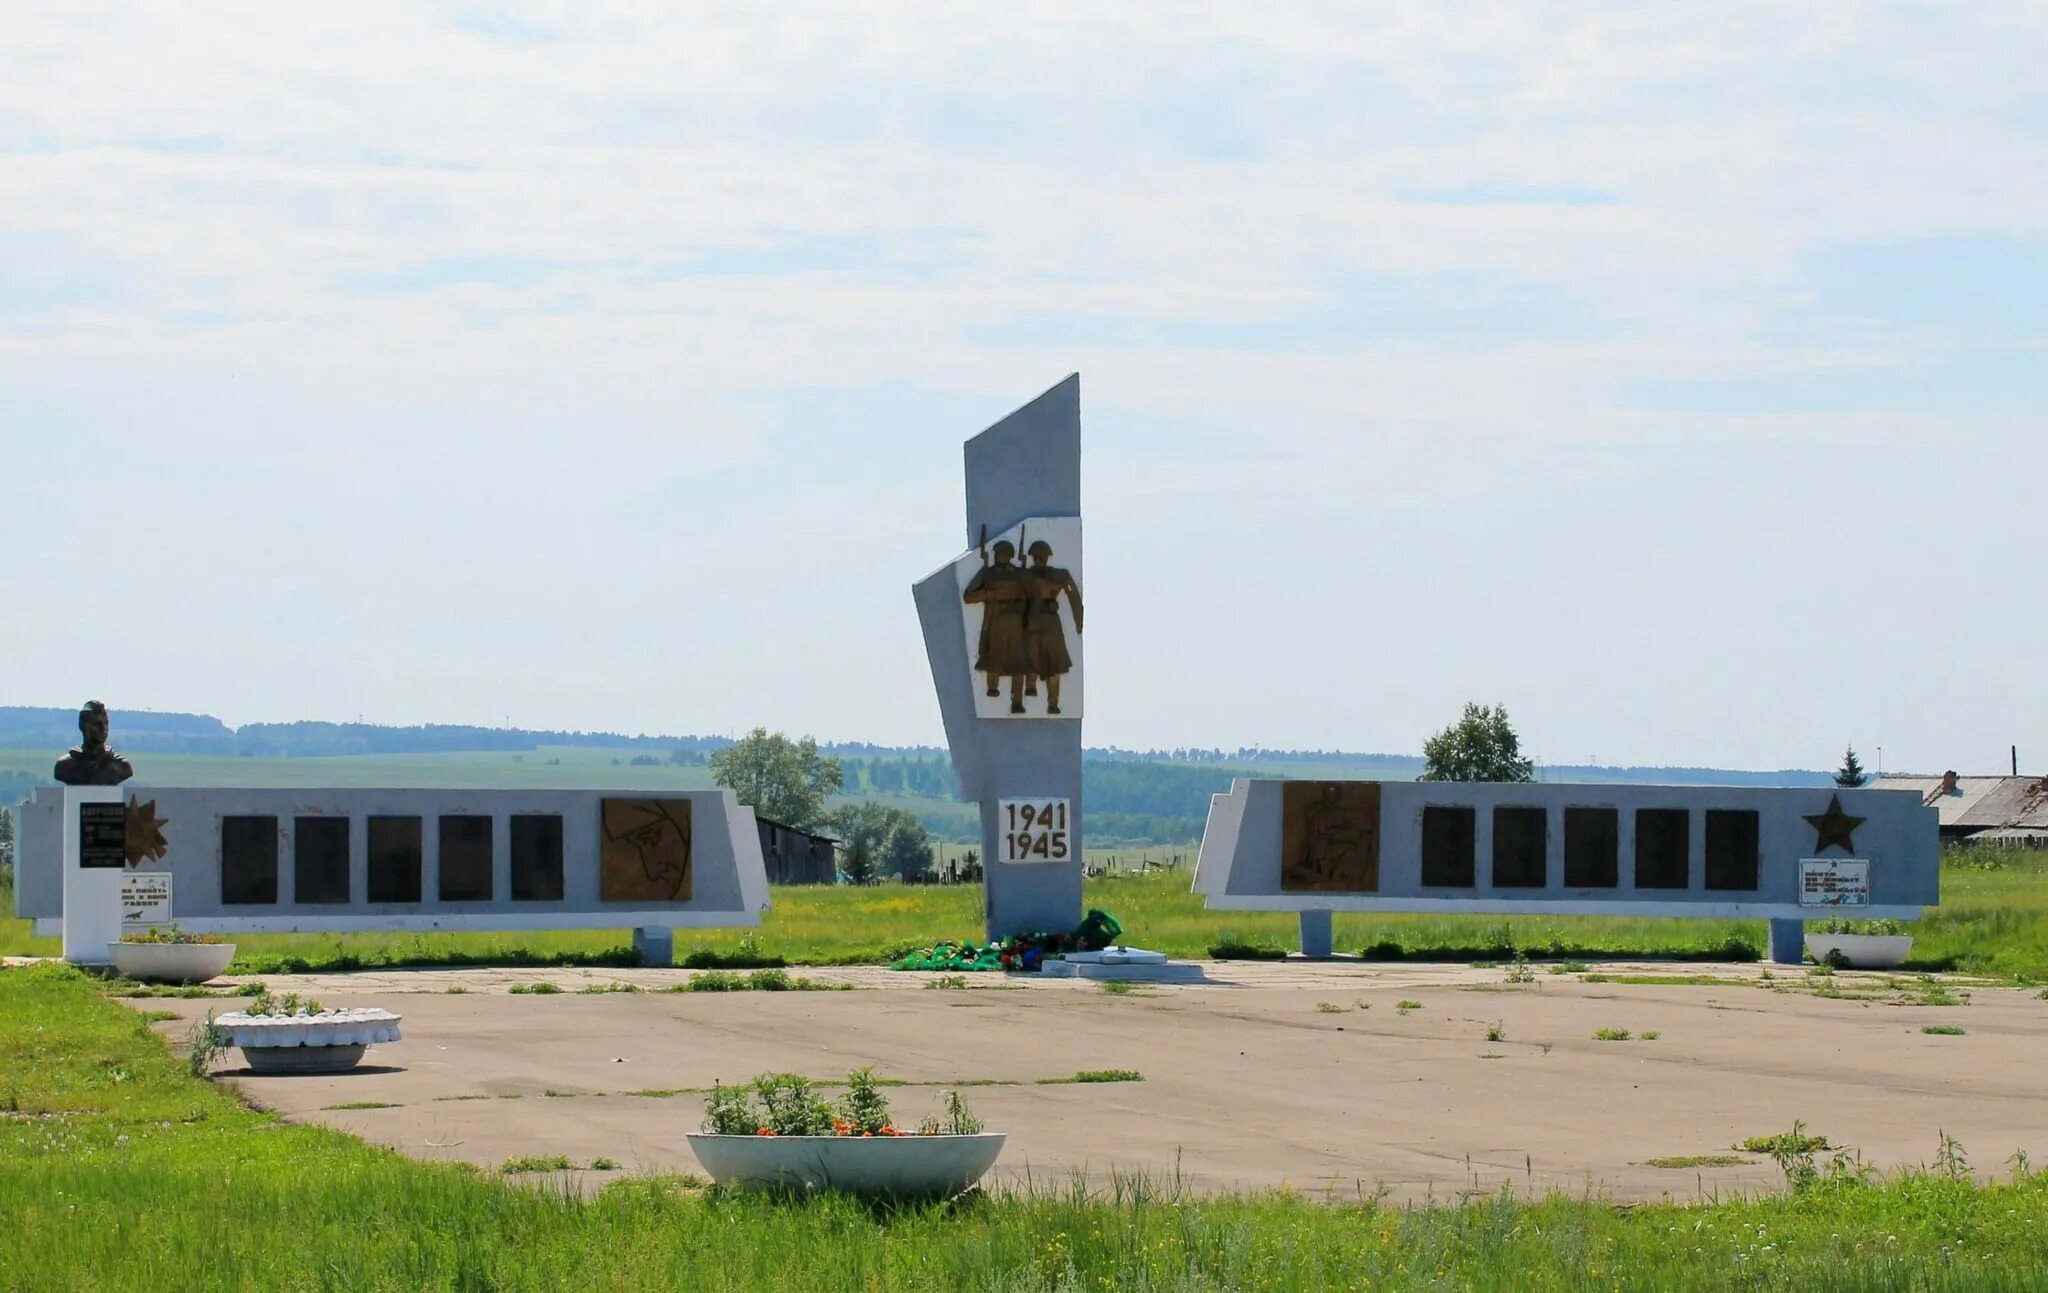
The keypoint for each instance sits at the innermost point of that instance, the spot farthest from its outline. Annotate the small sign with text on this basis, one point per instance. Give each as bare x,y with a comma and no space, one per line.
1036,830
146,898
1834,882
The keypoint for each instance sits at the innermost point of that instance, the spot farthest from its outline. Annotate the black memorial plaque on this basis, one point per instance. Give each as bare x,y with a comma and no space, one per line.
103,835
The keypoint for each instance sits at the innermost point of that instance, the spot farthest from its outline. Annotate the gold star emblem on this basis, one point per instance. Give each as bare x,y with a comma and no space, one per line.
1834,827
145,833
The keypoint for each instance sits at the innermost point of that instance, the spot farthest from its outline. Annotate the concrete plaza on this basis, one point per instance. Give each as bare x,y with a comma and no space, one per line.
1307,1075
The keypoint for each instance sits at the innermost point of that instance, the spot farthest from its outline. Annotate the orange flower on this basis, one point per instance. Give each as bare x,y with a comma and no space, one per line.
764,1132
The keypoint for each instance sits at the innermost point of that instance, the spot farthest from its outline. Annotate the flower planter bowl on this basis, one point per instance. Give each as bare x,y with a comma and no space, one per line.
171,962
1861,951
332,1041
906,1167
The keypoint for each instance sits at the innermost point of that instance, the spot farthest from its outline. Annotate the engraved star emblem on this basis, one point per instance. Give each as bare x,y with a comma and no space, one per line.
145,833
1834,827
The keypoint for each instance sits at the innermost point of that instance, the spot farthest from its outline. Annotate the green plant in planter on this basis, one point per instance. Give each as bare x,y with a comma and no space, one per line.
170,934
791,1106
864,1111
1840,925
954,1119
730,1111
291,1003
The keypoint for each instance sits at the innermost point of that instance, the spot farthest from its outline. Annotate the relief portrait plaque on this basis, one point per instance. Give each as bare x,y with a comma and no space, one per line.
645,852
1330,837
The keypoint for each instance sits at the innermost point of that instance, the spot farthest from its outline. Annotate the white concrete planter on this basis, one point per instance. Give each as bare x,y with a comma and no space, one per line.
896,1166
171,962
329,1042
1861,951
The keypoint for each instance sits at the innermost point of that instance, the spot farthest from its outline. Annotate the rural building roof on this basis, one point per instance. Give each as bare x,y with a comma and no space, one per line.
1980,803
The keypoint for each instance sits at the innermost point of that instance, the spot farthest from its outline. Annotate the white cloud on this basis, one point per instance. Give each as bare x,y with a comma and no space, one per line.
685,236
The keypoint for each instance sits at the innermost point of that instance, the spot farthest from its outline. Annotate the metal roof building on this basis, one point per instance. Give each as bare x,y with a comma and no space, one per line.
2006,810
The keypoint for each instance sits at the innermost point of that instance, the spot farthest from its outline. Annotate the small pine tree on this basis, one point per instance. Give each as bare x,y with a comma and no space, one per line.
857,863
1851,774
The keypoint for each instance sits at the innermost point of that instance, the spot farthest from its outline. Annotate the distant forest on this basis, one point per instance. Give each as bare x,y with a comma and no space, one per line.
1131,796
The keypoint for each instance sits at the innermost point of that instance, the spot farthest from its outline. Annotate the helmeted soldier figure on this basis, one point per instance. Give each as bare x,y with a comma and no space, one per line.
1003,592
1045,639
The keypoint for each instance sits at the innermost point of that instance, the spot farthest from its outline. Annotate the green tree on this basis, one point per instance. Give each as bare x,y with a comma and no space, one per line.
781,779
1481,746
895,839
1851,774
857,863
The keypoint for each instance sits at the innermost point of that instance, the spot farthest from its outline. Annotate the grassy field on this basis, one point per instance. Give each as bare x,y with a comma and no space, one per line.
1993,920
119,1171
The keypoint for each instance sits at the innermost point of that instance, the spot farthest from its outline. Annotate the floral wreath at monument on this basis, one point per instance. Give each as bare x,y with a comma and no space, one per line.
1022,952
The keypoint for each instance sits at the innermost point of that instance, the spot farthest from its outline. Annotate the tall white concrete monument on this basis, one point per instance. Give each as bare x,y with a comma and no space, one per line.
1003,629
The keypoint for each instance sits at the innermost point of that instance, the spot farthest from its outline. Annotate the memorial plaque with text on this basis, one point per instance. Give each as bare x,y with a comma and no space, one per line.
1834,882
1036,830
102,835
146,898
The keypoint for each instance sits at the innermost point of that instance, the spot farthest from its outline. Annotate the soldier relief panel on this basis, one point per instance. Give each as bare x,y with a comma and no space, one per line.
646,851
1330,837
1022,596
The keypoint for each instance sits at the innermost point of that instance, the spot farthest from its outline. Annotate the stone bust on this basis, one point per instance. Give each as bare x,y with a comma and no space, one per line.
92,763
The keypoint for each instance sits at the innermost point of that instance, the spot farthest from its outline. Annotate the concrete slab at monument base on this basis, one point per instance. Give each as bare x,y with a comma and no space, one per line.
302,1059
1861,951
922,1167
1130,963
171,962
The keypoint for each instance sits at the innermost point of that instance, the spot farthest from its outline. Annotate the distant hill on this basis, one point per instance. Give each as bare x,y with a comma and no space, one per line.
1134,797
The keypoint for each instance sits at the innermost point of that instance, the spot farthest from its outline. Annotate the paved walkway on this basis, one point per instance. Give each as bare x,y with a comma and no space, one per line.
1316,1076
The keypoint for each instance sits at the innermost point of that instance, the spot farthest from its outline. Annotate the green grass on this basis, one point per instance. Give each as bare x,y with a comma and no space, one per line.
1700,1160
120,1172
1942,1030
361,1104
1095,1075
536,1163
533,989
1799,1141
1611,1034
1993,921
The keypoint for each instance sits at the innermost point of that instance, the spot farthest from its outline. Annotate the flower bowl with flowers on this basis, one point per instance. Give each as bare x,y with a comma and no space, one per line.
167,954
779,1133
291,1034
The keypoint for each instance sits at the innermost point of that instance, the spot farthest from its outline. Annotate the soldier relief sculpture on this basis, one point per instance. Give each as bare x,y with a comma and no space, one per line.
1023,654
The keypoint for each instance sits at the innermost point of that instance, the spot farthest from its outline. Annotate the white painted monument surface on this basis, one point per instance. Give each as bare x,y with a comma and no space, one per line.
1035,830
1834,882
1022,599
145,899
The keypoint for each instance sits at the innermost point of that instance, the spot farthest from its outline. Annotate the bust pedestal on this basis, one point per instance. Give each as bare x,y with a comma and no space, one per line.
92,894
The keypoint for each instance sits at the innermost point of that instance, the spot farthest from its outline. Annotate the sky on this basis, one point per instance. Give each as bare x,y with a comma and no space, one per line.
1674,375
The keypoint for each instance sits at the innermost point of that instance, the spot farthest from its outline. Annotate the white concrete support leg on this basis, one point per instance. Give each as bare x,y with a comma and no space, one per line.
655,944
92,896
1788,941
1316,936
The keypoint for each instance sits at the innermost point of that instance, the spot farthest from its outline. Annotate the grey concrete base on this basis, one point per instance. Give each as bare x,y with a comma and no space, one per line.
1316,936
1788,942
302,1059
1170,972
655,946
1337,957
